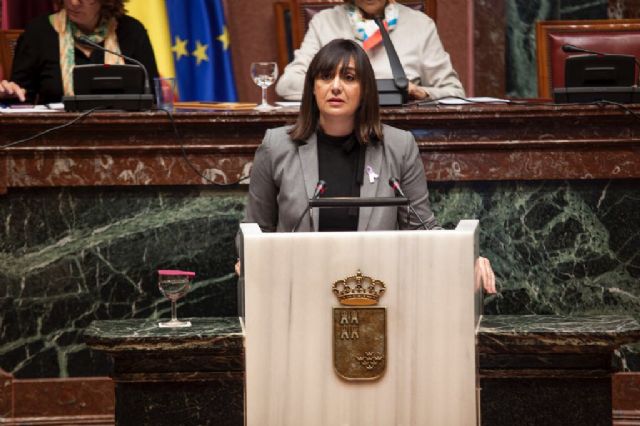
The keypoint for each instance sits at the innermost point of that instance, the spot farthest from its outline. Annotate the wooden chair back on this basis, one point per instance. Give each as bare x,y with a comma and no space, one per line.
621,36
8,40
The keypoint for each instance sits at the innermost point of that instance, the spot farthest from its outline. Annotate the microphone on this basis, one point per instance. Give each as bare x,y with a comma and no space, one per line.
399,76
570,48
397,189
86,40
321,186
395,184
391,91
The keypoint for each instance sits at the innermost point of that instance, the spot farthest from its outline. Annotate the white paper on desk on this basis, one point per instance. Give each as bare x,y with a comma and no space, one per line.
473,100
289,104
36,108
57,106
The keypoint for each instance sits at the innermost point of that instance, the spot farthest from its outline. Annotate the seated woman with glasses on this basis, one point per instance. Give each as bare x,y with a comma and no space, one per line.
48,49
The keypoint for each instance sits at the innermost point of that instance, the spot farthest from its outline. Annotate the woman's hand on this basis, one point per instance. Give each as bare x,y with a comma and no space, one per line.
485,275
416,92
237,267
9,89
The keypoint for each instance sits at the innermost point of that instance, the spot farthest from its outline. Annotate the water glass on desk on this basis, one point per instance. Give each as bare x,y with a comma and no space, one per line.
174,284
165,88
264,74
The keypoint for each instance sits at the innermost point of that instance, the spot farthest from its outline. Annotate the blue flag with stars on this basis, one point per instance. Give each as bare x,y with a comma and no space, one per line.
200,46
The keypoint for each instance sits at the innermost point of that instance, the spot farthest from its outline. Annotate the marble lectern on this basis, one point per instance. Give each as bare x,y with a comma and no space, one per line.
432,303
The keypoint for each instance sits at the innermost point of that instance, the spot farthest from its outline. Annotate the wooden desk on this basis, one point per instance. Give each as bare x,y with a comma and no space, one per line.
458,143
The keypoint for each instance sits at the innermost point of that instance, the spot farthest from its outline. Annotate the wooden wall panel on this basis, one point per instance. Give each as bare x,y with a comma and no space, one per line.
455,27
67,401
252,29
626,399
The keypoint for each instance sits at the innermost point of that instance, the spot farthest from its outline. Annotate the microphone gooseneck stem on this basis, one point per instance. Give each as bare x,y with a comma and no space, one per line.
320,187
87,40
399,77
395,184
424,225
295,227
570,48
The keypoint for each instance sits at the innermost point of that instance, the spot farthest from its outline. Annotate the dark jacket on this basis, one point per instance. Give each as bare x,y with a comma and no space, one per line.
36,64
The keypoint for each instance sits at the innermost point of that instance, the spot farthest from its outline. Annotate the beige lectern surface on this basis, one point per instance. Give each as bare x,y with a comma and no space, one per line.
432,308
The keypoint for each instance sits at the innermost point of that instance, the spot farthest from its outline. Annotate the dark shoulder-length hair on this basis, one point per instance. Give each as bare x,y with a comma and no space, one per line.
367,126
109,8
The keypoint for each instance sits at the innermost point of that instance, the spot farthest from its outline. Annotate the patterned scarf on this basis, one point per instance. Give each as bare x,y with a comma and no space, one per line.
68,32
366,30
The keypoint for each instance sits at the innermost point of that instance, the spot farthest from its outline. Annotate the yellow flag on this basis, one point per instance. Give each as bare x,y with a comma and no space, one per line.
153,15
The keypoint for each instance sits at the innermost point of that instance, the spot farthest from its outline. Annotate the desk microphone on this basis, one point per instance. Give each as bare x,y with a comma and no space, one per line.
397,189
321,186
86,40
399,76
400,81
570,48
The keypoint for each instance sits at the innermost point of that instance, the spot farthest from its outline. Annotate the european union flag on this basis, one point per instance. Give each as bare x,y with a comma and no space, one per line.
200,44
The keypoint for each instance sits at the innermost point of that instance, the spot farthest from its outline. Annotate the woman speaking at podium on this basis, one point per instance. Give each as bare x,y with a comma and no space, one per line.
48,49
339,140
413,34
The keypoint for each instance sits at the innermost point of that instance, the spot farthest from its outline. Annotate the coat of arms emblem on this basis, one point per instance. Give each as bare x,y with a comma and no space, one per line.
359,329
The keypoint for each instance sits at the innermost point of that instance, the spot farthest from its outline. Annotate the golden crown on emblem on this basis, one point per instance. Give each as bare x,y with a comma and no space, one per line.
358,290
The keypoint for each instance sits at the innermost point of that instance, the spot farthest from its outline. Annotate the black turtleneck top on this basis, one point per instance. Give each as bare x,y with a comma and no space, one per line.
341,166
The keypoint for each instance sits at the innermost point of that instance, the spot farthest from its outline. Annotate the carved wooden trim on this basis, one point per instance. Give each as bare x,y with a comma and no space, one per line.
8,40
104,420
281,9
471,143
626,399
57,401
626,418
6,394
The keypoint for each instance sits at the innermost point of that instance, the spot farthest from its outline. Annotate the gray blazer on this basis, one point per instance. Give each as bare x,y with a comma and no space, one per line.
285,174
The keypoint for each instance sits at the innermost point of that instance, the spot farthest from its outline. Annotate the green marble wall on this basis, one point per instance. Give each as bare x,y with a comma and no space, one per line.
521,36
70,256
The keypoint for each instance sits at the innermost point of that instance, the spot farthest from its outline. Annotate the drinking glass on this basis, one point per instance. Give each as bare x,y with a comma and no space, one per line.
165,92
174,284
264,74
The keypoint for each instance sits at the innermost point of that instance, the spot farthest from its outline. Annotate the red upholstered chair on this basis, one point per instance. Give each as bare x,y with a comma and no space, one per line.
621,36
293,17
8,40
